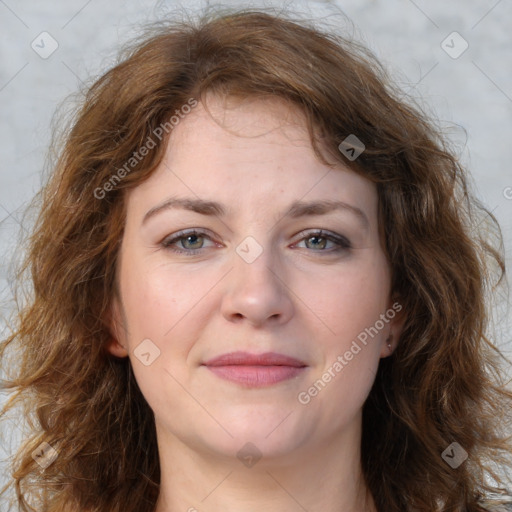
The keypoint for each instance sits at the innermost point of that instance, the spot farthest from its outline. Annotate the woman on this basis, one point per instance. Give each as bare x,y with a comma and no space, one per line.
256,286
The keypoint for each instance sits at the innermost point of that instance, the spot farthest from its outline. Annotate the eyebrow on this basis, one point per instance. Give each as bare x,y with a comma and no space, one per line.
297,209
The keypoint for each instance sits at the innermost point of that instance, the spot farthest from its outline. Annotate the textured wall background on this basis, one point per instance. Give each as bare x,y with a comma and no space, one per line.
467,88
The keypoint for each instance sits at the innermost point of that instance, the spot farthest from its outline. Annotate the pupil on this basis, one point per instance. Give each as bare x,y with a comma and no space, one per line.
316,238
189,237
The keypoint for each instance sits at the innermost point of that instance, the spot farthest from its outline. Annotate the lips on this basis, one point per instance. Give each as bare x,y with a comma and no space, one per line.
255,370
246,359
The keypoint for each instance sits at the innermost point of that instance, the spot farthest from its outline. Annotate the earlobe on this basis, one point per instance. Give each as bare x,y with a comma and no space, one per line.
388,343
397,321
389,347
117,343
116,349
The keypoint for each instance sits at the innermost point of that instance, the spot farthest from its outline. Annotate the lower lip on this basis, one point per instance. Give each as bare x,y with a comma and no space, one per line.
256,376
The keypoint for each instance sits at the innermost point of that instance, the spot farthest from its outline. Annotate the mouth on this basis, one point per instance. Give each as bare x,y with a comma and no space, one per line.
255,370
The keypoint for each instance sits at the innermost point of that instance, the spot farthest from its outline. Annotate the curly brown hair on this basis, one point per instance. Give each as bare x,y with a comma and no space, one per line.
444,383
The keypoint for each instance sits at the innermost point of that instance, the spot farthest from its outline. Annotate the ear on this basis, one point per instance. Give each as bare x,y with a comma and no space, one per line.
114,319
396,316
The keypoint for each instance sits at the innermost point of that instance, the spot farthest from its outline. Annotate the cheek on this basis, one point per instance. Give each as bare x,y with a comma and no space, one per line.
162,305
349,304
349,300
159,299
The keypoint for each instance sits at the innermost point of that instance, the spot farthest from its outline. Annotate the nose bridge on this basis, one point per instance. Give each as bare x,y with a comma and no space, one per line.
256,263
256,283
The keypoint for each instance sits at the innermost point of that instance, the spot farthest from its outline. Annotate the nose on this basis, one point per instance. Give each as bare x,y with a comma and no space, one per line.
257,292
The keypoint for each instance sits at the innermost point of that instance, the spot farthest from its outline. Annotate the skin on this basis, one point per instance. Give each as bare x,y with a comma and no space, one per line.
293,299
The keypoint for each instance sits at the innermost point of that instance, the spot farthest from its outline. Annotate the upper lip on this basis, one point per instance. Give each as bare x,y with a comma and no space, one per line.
247,359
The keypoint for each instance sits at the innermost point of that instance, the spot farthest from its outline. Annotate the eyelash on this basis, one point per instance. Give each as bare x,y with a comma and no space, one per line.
343,243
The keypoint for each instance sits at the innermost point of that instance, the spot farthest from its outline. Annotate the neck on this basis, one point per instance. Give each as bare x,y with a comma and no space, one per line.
325,478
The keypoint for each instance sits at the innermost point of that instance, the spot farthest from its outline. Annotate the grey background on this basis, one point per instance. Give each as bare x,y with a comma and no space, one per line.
471,95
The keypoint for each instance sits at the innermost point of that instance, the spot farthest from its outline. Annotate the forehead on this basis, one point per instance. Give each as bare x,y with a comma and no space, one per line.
249,153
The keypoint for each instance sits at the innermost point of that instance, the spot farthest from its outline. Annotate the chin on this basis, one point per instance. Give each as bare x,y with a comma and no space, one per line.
272,436
250,449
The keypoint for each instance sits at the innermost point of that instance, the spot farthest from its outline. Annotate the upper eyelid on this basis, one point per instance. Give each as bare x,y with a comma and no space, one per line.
322,232
187,232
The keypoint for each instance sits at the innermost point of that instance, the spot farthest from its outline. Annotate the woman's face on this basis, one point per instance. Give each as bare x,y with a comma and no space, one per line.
255,277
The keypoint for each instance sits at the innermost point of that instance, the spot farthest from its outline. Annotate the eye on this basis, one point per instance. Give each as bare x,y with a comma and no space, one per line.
191,241
318,240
